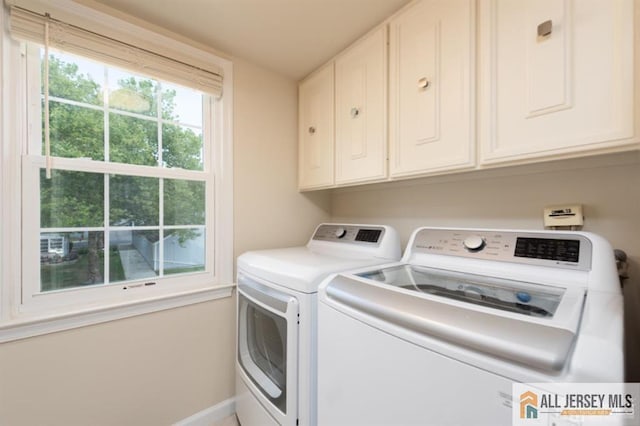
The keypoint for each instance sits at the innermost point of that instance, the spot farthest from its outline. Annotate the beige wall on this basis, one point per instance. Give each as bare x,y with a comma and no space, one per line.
159,368
147,370
269,211
608,188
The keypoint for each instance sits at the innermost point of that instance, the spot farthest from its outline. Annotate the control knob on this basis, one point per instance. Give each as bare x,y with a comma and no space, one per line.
340,232
474,243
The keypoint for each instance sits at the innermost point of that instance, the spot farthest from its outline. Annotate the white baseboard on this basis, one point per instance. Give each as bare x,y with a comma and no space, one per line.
210,415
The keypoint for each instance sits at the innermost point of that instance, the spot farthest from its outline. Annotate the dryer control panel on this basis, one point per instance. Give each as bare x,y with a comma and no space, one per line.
562,250
349,234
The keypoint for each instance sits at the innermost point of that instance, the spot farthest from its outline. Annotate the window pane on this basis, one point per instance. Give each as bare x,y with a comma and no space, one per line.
71,259
75,131
133,140
184,251
134,255
181,104
182,147
71,199
134,201
129,92
184,202
74,78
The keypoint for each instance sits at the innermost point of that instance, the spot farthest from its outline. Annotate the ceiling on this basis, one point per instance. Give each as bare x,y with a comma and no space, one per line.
292,37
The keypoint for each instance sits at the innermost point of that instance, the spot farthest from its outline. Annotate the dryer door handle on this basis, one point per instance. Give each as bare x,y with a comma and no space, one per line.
269,298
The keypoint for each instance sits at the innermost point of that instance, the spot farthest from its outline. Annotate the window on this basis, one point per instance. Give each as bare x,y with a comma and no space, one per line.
124,198
127,222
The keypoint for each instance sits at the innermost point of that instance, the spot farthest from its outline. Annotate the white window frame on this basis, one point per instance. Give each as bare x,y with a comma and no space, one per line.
24,310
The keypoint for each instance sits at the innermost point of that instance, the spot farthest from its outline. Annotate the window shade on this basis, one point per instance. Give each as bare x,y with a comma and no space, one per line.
30,26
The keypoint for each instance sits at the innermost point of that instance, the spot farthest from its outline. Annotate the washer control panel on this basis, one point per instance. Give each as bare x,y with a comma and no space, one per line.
349,234
549,249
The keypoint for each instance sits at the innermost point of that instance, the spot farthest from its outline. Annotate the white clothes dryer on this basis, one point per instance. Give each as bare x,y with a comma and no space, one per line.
439,338
277,310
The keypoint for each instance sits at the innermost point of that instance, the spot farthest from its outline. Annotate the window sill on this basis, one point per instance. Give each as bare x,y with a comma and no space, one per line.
23,328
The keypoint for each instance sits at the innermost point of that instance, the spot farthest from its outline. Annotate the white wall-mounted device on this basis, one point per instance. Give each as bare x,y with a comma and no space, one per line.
569,215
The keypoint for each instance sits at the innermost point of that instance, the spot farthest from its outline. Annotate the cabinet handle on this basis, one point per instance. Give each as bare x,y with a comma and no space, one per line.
312,130
545,28
355,112
423,83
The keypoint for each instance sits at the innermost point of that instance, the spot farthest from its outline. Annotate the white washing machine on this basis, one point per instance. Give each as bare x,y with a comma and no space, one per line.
277,312
440,337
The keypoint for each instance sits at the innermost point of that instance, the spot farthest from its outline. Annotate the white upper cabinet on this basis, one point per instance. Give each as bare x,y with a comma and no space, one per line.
361,111
431,86
556,77
316,130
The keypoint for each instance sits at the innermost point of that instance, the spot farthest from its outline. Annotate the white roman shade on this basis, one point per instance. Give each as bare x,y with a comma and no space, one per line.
30,26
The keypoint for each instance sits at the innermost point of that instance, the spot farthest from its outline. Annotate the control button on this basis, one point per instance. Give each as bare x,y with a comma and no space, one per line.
341,232
474,243
523,296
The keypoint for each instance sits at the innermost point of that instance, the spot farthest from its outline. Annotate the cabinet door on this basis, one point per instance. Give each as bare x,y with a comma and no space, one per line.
431,80
556,77
316,130
361,111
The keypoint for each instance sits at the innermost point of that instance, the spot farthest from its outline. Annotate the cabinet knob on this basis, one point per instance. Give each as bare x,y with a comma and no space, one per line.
423,83
545,28
355,112
312,130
